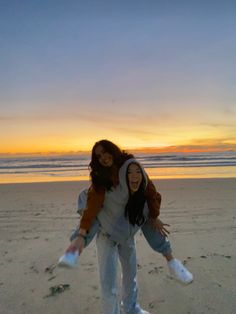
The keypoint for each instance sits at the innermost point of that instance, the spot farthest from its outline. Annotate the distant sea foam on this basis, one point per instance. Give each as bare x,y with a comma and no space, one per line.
75,167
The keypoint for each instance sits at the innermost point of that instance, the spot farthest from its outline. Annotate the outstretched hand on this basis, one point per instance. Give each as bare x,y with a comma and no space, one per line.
76,244
160,226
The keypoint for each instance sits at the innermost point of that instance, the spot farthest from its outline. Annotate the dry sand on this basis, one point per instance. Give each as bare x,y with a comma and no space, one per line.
36,221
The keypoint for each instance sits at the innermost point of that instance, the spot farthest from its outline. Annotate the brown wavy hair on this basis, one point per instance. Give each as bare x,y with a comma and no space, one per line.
100,175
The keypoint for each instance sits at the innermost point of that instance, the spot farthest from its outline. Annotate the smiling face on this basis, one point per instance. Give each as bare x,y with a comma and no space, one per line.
135,177
104,158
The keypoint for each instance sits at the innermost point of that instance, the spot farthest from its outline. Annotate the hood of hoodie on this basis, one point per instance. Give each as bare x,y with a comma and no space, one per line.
123,172
111,217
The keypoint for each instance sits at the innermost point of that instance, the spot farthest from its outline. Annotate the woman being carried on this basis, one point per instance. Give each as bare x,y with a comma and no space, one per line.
107,159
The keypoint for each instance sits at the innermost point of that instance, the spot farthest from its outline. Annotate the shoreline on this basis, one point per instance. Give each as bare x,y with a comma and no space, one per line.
86,181
155,173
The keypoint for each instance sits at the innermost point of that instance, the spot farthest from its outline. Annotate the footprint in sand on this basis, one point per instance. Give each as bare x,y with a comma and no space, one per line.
156,270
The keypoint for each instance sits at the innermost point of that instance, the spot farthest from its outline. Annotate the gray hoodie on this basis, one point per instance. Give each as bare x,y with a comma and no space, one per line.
112,215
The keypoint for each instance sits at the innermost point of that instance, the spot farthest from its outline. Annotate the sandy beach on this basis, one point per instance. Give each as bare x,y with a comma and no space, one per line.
37,219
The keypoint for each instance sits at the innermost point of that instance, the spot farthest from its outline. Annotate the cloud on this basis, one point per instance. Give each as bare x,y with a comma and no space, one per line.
222,143
187,148
24,118
6,118
228,110
219,124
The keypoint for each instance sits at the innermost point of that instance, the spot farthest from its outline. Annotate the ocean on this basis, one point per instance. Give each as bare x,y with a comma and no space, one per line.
158,166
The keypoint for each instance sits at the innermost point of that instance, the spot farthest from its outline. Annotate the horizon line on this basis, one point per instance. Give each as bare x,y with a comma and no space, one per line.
166,149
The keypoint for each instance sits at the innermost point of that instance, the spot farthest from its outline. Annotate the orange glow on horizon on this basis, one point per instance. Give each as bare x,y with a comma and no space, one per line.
184,149
144,135
147,150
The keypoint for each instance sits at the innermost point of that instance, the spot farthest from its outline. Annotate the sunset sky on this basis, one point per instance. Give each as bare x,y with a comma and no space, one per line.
140,73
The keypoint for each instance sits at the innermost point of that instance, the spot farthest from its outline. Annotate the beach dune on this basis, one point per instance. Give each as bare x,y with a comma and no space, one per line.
36,220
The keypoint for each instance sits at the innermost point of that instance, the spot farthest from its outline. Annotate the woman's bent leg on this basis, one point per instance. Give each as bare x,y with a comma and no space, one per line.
161,244
156,240
107,261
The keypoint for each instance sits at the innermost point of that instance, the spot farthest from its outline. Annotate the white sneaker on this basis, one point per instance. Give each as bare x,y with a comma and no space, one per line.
144,312
178,271
69,259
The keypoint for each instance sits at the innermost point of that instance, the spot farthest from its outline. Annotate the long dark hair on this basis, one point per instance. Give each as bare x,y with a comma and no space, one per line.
135,205
101,176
